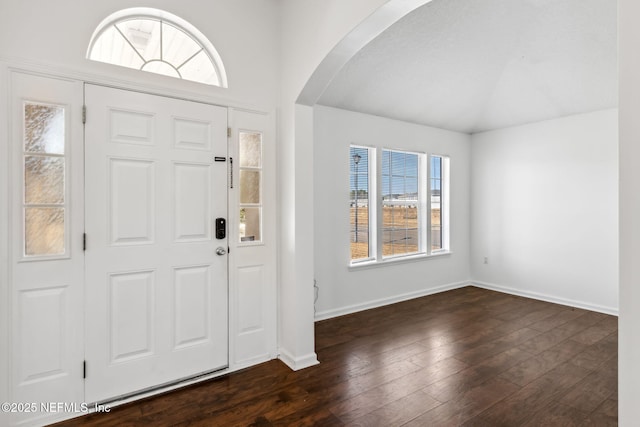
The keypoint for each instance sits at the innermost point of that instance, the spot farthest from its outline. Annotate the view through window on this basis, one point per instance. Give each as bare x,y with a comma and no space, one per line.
408,185
435,180
359,202
400,203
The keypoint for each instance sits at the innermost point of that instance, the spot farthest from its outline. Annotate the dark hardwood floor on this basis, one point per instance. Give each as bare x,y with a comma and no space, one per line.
467,357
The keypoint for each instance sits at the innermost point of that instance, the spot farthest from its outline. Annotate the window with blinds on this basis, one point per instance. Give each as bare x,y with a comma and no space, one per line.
359,217
436,205
398,205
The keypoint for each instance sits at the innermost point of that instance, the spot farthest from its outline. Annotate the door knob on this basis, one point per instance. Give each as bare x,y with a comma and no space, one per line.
220,251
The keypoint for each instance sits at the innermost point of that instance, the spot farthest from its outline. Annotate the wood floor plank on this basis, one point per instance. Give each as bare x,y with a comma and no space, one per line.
578,324
594,333
604,416
558,415
469,356
459,383
398,412
533,368
466,405
594,390
309,417
558,319
597,354
533,398
355,407
545,340
477,354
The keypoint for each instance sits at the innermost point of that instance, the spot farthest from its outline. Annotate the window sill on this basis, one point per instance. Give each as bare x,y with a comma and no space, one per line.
399,260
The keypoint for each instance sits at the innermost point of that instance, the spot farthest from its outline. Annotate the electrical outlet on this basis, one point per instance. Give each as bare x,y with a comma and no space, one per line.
486,260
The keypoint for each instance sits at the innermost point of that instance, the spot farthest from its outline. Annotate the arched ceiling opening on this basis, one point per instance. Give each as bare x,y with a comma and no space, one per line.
478,65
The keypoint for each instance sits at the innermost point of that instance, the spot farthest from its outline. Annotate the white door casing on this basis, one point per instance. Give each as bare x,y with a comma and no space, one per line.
156,291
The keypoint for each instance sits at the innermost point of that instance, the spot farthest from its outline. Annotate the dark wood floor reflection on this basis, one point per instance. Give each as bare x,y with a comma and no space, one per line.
467,357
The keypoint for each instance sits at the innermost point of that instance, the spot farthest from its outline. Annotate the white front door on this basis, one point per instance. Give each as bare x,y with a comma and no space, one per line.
156,268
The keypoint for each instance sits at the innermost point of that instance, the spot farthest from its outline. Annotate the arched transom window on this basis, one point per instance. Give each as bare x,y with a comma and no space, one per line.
159,42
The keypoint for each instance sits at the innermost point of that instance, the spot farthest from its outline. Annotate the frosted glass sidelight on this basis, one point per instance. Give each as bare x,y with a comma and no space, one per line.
250,160
43,128
249,186
250,224
44,231
250,149
44,180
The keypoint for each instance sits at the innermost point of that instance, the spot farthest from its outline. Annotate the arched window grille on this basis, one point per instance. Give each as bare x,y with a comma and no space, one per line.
158,42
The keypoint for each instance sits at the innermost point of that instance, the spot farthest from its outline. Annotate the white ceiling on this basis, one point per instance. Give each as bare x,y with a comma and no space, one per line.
476,65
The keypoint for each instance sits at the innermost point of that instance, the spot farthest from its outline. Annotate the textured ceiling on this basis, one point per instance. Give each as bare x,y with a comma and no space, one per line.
476,65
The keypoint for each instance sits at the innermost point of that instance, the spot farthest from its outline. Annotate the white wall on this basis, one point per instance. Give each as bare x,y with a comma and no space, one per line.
629,125
341,289
244,32
544,210
309,31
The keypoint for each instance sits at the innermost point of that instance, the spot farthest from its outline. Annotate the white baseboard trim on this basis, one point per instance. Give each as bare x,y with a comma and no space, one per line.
298,363
544,297
336,312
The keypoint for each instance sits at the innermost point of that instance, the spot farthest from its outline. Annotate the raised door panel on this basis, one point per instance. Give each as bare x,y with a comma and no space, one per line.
250,299
192,135
131,127
192,306
192,202
132,315
41,322
132,201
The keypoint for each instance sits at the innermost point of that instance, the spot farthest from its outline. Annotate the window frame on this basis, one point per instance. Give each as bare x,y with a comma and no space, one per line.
420,205
376,243
260,205
371,197
65,205
164,18
444,204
